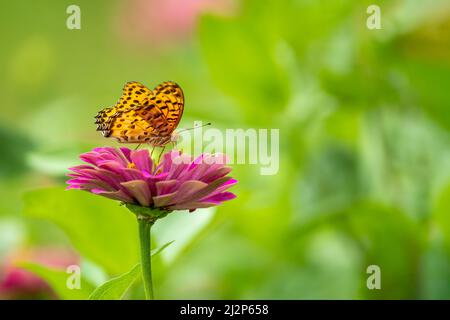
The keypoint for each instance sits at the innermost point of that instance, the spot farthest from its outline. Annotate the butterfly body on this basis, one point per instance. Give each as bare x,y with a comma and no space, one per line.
142,115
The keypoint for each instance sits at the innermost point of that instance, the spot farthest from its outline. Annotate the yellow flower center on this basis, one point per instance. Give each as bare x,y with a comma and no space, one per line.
131,165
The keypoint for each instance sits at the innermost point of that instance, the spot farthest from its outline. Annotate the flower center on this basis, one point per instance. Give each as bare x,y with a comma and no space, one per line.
131,165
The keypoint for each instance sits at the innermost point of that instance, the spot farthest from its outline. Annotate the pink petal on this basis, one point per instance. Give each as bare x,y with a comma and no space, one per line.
112,166
81,166
198,171
115,195
219,198
140,191
216,173
142,160
164,200
164,187
223,187
89,157
86,183
108,177
73,186
208,189
178,170
126,152
153,179
108,153
187,189
132,174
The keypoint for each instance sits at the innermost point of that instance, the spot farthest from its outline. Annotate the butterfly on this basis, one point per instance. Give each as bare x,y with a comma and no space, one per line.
142,115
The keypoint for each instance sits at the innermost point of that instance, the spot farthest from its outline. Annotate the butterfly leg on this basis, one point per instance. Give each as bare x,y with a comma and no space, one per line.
159,158
137,146
151,153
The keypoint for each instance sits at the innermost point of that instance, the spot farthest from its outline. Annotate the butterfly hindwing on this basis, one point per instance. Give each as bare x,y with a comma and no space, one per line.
136,125
133,94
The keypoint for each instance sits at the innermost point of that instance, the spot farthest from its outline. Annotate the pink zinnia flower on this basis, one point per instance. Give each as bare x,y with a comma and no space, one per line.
16,282
152,190
178,182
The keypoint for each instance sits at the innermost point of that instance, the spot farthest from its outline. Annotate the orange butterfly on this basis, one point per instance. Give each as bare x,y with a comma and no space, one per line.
142,115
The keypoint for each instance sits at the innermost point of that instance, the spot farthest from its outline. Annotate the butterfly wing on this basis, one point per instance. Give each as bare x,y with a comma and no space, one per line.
133,94
149,116
169,98
137,125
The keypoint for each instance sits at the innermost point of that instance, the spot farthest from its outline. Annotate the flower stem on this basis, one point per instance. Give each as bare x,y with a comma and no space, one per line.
145,226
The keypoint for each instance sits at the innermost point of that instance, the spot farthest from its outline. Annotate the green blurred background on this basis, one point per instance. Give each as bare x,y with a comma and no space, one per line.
364,146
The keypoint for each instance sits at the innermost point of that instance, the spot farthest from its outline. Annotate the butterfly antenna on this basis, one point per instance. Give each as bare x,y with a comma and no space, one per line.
204,125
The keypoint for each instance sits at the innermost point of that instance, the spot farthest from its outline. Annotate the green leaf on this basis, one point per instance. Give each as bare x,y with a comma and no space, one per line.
391,240
441,214
58,281
100,229
422,77
256,69
160,249
14,147
116,288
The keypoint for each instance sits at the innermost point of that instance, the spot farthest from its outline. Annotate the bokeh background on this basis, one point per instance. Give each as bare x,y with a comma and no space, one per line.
364,124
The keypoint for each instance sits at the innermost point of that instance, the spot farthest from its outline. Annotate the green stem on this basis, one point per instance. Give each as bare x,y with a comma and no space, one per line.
145,226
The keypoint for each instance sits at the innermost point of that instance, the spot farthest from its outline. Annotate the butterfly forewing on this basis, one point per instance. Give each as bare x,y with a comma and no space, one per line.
136,125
